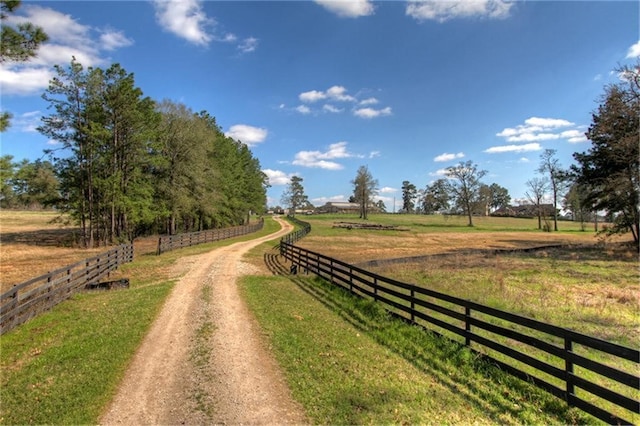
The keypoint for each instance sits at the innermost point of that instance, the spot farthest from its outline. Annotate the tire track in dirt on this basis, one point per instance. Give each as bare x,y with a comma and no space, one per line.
240,383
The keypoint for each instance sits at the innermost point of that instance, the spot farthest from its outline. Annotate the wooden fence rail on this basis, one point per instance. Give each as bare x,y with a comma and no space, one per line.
172,242
596,376
32,297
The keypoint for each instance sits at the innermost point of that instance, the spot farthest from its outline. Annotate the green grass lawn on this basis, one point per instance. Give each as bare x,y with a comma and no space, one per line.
348,362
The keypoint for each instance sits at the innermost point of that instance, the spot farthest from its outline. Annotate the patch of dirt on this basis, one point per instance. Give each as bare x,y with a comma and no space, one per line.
204,361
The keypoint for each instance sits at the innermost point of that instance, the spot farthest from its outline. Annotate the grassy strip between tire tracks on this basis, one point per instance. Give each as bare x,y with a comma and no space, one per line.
348,362
64,366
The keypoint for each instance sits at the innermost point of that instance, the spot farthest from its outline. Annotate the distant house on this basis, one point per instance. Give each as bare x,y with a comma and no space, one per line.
339,207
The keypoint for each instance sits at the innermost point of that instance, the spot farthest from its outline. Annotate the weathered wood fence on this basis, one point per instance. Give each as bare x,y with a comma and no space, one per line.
596,376
30,298
172,242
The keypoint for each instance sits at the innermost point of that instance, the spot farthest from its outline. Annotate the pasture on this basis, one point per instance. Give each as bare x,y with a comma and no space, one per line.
589,285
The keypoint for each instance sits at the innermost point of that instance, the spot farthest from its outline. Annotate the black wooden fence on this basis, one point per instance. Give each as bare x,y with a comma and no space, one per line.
596,376
26,300
172,242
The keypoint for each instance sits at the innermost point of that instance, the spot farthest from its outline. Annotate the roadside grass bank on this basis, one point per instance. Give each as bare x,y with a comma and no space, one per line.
348,362
64,366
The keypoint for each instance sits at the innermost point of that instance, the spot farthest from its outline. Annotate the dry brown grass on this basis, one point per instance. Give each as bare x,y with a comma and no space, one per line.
360,248
32,243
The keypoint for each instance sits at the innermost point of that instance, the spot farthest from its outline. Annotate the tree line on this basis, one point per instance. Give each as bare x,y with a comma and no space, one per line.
128,165
605,179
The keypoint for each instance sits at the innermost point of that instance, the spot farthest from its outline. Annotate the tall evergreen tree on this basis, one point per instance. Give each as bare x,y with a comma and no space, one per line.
610,168
409,193
365,187
294,195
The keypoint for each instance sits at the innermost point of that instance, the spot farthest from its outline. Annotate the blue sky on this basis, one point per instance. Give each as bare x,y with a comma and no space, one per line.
319,88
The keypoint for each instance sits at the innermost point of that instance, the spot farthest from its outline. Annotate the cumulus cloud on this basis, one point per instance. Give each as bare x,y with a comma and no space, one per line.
334,93
536,129
324,160
348,8
441,11
388,190
249,135
372,112
67,38
448,157
514,148
312,96
184,18
634,51
339,94
278,177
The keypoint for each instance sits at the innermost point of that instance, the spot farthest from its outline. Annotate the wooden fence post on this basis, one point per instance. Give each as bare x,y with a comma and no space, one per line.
413,305
467,325
568,370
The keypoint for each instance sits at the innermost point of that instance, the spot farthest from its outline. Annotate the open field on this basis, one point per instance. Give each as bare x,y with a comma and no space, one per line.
432,234
33,243
590,286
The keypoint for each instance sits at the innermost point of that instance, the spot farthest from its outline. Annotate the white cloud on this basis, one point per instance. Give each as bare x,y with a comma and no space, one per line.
369,101
387,190
338,93
184,18
513,148
348,8
536,129
303,109
448,157
249,135
374,154
331,108
371,112
634,51
248,45
113,39
24,80
67,38
322,160
312,96
439,172
574,136
28,121
524,160
277,177
441,11
323,200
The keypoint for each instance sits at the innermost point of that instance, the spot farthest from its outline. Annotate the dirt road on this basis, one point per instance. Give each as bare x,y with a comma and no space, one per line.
203,360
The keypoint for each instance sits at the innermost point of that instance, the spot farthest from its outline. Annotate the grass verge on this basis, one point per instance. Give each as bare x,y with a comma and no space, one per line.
348,362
